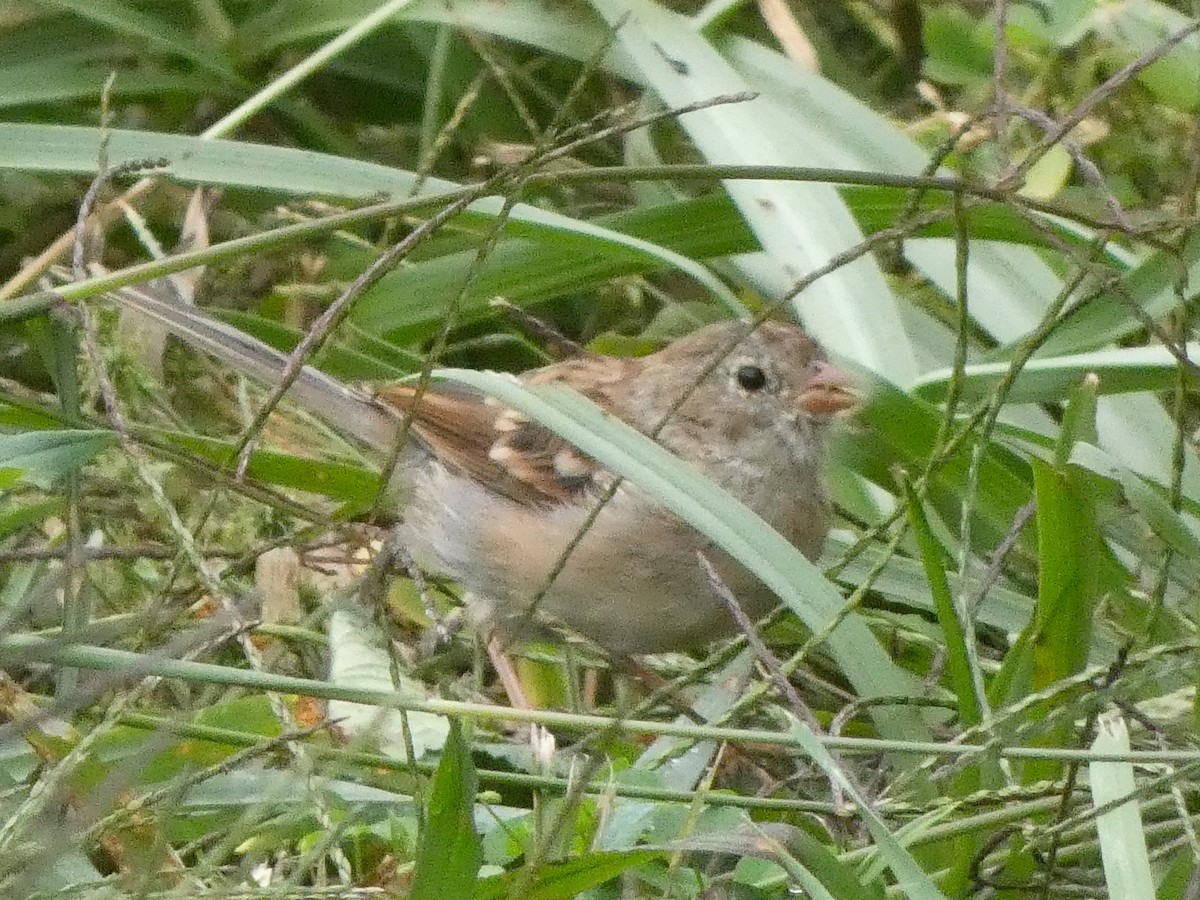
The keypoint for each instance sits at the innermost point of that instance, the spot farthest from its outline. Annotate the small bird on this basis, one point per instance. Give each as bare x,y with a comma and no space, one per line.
492,499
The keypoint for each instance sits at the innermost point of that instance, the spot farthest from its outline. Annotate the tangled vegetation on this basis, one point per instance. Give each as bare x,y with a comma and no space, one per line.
217,677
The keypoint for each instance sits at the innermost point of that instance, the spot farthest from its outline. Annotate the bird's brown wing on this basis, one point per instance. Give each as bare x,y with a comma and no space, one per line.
500,447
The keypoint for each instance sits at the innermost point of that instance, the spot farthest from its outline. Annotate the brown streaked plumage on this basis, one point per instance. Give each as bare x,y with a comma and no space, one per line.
499,447
495,499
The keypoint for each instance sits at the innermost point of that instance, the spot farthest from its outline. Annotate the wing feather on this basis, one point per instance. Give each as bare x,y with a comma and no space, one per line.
500,447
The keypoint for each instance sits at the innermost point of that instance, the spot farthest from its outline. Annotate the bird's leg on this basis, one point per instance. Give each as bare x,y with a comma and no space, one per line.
507,673
438,634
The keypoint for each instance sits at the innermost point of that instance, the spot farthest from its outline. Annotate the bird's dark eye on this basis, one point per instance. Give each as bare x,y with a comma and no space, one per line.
751,378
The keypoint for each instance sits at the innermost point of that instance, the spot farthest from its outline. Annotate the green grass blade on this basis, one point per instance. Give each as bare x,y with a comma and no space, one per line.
1107,317
800,226
1047,379
1122,835
563,880
44,82
1148,500
43,457
342,481
895,428
55,148
450,852
965,679
126,19
1069,550
911,880
970,707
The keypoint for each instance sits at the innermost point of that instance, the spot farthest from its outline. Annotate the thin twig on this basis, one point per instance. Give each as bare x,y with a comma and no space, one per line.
746,625
998,556
1084,107
1000,104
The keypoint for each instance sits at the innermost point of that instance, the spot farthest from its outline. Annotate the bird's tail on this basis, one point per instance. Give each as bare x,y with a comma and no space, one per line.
352,412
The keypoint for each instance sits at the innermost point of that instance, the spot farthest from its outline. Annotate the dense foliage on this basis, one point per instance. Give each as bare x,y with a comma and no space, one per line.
216,677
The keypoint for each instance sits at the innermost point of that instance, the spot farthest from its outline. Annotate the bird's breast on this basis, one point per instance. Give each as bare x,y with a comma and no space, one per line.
632,583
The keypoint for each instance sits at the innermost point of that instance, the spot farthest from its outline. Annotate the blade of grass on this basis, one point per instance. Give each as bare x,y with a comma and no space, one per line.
1070,550
1152,504
970,710
126,19
234,163
1122,836
800,226
911,880
1046,379
566,879
44,457
449,853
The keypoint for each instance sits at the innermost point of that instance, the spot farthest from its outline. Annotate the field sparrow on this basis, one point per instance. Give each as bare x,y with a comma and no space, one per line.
492,499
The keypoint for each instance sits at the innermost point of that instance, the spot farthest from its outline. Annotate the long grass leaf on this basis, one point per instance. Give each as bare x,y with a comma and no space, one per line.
800,226
1049,378
62,148
450,854
970,708
1120,830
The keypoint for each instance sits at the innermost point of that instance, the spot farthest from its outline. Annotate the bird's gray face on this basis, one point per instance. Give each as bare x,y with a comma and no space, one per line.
778,381
760,390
